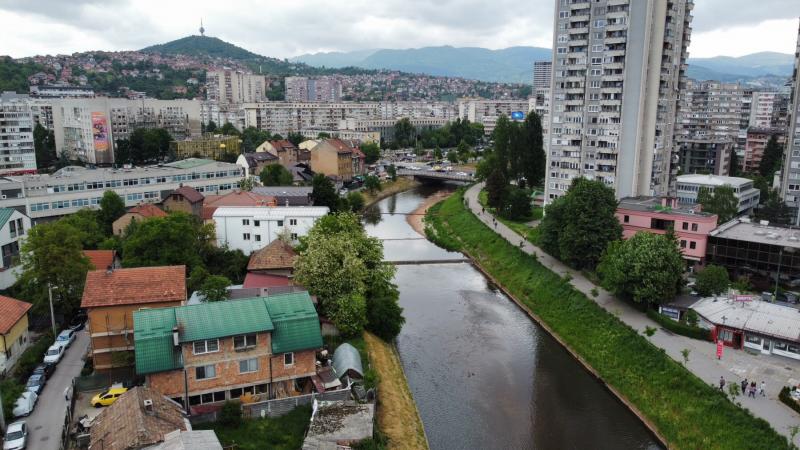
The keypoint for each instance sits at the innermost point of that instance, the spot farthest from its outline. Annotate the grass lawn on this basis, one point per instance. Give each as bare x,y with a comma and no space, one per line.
520,227
280,433
686,410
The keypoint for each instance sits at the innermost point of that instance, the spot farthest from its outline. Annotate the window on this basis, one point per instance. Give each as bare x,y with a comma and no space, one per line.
685,225
258,238
293,236
245,222
207,346
246,236
694,227
205,372
248,365
280,223
244,341
292,221
256,223
288,359
626,219
683,244
692,245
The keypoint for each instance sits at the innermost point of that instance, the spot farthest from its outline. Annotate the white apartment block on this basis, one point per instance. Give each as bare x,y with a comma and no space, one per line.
617,70
419,109
318,89
17,154
285,117
541,104
211,111
486,112
688,187
769,109
88,128
14,228
72,188
249,229
790,182
235,87
542,71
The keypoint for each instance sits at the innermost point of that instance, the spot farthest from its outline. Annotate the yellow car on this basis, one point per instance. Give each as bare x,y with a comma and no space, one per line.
108,397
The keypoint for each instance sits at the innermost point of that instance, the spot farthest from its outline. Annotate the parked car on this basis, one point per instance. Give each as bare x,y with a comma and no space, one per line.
67,337
54,353
108,397
16,436
24,404
45,369
78,322
35,383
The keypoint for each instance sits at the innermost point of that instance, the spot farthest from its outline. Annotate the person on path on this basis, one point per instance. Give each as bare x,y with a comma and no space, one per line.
744,386
752,391
721,383
762,389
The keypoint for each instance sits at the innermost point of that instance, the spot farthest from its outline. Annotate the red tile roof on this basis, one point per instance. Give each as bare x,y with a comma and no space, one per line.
282,145
100,259
11,310
189,193
340,145
140,285
276,255
147,210
262,280
236,198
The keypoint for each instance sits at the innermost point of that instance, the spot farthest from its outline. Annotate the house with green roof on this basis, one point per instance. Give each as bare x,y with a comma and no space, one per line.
204,354
14,228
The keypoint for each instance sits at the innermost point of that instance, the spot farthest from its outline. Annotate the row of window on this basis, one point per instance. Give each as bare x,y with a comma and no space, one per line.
246,366
257,223
240,342
91,185
257,237
219,396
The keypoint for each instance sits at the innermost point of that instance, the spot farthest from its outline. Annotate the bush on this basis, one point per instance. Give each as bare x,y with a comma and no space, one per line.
355,201
788,400
11,390
384,317
32,357
231,414
679,328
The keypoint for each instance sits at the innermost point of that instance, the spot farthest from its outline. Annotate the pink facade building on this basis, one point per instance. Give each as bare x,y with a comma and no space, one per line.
657,215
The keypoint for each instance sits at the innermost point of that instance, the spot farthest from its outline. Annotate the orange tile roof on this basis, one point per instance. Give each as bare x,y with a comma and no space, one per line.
139,285
11,310
189,193
100,259
236,198
147,210
276,255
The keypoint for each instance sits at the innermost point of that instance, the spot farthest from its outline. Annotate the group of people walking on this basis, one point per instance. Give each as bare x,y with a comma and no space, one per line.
749,388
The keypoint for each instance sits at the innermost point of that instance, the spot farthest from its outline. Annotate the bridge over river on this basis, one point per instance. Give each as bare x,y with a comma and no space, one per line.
431,175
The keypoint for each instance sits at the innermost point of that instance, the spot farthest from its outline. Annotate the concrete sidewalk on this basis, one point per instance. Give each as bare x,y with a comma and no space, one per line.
735,365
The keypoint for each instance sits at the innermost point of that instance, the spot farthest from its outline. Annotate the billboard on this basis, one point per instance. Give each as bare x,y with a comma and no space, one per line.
100,131
517,115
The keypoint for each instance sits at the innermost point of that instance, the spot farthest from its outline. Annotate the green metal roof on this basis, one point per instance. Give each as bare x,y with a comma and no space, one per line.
291,318
219,319
189,163
5,214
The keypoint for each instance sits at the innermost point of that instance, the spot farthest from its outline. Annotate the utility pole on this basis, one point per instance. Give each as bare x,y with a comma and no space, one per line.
2,416
52,315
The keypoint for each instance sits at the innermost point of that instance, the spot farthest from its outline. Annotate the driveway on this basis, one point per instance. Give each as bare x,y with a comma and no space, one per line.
47,420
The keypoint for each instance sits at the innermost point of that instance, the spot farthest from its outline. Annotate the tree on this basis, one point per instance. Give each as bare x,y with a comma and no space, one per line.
712,280
772,159
773,209
148,145
452,156
391,170
404,132
211,127
582,224
371,151
384,315
92,234
252,137
437,153
177,239
53,255
647,268
232,264
275,175
496,189
502,143
372,183
323,135
112,207
295,138
215,288
44,144
246,184
532,160
733,169
518,205
356,201
463,148
323,193
486,166
721,201
229,130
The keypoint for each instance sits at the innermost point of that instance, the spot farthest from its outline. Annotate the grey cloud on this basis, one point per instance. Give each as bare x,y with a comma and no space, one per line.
715,14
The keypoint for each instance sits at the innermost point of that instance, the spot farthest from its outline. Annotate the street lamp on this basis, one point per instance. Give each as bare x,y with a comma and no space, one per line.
52,315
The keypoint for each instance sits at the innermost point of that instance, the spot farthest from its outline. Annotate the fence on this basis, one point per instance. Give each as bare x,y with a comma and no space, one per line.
281,406
98,381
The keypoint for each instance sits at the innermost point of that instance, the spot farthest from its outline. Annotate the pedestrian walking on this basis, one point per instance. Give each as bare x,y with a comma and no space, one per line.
762,389
744,386
752,391
721,383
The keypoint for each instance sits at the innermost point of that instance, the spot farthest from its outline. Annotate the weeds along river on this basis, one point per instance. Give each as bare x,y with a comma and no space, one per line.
484,375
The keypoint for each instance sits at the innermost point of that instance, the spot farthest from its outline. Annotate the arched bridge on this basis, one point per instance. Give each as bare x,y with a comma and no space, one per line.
431,175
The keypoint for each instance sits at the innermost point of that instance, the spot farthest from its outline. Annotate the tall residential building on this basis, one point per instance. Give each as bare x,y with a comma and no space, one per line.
17,154
790,183
319,89
617,70
285,117
234,87
769,109
541,74
486,112
709,124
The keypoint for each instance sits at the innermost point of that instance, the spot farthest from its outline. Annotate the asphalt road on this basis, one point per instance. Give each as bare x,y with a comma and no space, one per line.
47,420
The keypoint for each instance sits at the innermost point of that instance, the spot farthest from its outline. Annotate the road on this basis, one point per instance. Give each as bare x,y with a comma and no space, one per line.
735,365
47,420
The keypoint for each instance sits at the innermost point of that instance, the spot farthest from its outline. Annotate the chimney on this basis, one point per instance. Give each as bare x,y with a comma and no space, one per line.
109,269
175,338
148,407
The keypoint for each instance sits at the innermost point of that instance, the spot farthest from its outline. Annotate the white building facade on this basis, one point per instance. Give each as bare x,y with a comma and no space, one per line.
14,227
790,183
235,87
688,186
17,153
249,229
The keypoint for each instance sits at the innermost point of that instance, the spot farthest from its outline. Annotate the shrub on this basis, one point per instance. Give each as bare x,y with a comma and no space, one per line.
788,400
32,356
384,317
679,328
231,414
11,391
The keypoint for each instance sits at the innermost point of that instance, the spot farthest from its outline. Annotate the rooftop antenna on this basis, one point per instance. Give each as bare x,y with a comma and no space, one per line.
202,30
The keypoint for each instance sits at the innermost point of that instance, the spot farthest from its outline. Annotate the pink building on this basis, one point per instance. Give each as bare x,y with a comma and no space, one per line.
657,215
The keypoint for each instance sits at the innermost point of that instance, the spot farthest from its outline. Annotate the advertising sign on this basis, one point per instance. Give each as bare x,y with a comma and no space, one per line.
517,115
720,346
100,131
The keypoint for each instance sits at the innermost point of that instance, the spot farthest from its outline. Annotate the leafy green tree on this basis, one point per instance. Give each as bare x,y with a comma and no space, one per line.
384,315
712,280
323,135
486,166
518,205
215,288
53,255
647,268
496,189
437,153
371,151
323,192
112,207
211,127
721,201
87,221
44,144
246,184
404,132
372,183
148,145
463,148
452,157
275,175
578,228
123,152
231,264
773,208
349,314
733,169
391,170
229,130
295,138
177,239
355,201
502,143
772,159
252,137
532,159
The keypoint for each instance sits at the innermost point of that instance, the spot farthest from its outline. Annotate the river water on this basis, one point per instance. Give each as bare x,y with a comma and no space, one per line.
483,375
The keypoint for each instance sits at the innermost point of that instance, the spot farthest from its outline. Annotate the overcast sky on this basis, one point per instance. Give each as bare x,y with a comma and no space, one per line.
286,28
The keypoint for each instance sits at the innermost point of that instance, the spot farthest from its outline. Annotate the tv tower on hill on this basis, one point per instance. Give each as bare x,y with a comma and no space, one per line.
202,30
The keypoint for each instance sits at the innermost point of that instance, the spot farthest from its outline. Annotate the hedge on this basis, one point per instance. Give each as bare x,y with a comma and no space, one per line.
678,327
788,400
32,357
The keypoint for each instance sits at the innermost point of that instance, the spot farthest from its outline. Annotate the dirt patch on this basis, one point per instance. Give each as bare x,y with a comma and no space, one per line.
389,188
397,414
415,218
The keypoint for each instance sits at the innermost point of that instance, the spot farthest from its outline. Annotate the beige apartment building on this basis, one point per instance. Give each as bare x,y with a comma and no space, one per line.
235,87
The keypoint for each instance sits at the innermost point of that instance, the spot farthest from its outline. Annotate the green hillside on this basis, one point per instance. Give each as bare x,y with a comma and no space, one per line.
202,46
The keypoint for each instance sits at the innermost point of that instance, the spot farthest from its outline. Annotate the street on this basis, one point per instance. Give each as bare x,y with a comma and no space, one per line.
47,420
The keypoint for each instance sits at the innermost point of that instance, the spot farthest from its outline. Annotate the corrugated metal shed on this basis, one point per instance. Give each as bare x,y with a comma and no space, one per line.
345,359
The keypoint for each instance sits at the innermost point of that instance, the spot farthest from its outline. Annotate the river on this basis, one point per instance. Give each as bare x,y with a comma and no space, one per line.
483,375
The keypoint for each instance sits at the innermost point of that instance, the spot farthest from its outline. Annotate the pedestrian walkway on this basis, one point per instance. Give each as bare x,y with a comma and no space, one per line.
735,365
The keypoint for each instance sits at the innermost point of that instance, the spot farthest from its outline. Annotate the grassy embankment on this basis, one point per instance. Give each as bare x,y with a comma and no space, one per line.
389,188
520,227
686,411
